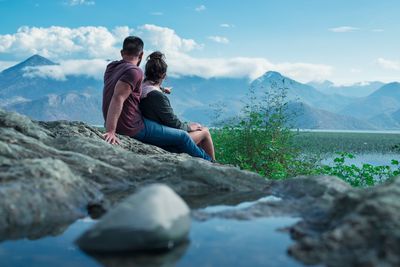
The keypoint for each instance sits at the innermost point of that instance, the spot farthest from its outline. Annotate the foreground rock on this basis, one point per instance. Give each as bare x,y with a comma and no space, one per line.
154,218
341,226
361,229
303,196
52,171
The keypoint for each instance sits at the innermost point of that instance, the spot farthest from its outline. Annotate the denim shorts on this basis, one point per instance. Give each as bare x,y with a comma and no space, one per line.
170,139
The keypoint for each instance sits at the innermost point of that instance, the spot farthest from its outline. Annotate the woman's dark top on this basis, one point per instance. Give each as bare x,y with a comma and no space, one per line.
155,106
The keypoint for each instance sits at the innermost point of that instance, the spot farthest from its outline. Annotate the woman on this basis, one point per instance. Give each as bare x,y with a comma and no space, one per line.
155,105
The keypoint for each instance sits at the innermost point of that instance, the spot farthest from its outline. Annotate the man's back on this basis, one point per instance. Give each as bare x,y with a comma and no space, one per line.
130,121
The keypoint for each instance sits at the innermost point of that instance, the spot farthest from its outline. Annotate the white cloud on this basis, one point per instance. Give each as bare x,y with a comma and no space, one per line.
200,8
166,39
93,45
304,72
156,13
226,25
388,64
93,68
63,42
80,2
243,67
219,39
344,29
354,70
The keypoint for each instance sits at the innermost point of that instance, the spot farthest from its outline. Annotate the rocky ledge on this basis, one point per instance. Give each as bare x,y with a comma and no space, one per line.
52,173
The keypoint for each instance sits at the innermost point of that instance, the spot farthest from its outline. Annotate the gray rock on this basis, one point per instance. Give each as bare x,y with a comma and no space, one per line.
303,196
46,193
154,218
362,228
52,171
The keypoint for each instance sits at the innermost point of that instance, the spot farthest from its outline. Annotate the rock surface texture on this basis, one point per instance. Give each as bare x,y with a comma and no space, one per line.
52,173
362,228
154,218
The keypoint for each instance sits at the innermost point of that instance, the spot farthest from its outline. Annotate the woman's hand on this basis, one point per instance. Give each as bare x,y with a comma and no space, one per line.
111,138
167,90
194,126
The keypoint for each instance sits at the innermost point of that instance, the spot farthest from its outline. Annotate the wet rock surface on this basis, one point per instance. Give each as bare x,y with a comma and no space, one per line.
154,218
362,228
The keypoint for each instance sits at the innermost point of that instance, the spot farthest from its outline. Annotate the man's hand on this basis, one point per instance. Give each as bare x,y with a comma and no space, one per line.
194,126
111,138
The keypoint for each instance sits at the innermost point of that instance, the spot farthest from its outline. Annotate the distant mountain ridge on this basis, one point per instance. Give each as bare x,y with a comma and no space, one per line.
196,98
70,106
385,100
361,89
299,92
33,61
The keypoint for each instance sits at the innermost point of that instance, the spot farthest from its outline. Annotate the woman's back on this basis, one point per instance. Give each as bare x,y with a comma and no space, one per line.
155,106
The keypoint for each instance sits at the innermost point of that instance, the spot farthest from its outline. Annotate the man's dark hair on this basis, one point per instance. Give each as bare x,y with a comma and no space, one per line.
132,46
156,67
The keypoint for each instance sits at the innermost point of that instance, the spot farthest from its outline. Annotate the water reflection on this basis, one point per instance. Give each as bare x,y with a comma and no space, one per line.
216,242
156,259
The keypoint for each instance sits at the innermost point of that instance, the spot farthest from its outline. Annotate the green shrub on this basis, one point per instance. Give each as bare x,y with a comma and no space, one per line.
260,138
366,175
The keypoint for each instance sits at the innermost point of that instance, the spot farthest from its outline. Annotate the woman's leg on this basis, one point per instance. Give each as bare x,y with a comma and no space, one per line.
204,140
163,136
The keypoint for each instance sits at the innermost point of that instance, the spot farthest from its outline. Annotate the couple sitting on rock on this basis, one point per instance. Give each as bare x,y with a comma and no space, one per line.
142,110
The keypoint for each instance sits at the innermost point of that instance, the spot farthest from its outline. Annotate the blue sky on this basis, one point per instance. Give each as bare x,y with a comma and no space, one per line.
343,41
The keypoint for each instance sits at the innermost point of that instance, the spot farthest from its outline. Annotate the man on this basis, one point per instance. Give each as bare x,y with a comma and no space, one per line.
121,96
122,90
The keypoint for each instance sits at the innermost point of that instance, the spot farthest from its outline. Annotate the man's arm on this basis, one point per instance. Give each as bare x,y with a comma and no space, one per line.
121,93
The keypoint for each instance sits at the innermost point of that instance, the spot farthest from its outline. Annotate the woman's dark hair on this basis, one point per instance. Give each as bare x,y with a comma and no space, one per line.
156,67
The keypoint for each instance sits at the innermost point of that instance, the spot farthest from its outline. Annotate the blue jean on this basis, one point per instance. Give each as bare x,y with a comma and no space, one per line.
170,139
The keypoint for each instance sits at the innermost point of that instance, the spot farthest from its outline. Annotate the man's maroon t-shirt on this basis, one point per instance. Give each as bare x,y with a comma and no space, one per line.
130,122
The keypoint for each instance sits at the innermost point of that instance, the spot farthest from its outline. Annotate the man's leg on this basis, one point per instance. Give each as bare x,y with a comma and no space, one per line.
165,137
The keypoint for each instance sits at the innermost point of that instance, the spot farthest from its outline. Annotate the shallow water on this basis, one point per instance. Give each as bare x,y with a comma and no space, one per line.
216,242
376,159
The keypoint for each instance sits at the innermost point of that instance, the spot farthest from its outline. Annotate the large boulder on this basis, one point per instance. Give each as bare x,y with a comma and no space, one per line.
47,193
52,171
152,219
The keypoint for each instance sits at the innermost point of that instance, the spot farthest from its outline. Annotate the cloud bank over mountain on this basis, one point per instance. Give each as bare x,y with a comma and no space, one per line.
84,50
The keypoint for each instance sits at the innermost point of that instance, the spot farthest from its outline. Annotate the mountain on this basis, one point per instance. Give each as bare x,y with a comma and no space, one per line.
396,116
385,100
361,89
14,83
385,121
313,118
299,92
33,61
197,99
70,106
